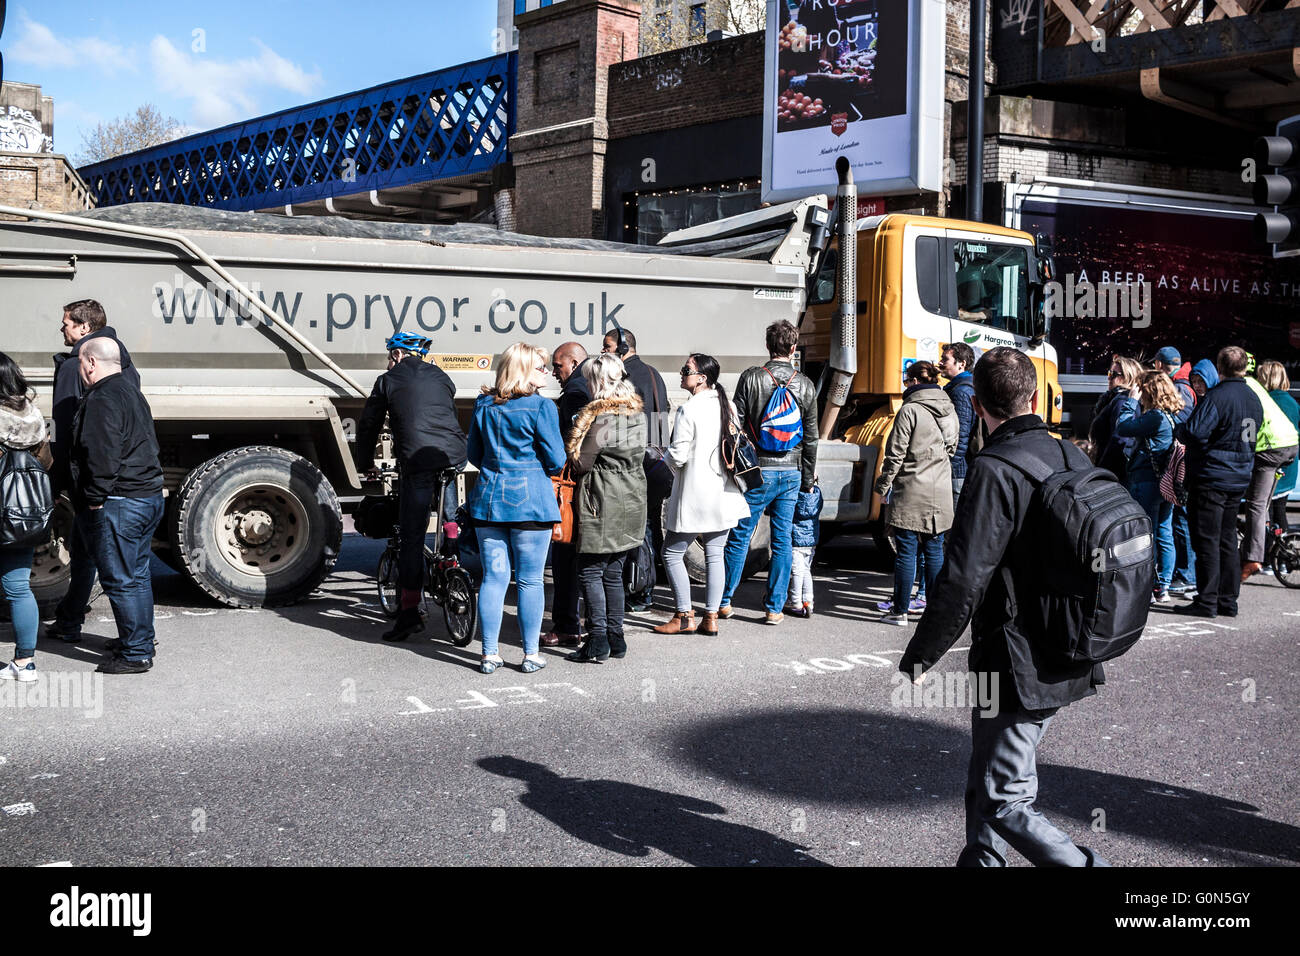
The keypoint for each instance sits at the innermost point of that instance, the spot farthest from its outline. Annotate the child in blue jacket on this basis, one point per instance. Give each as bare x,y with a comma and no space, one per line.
803,540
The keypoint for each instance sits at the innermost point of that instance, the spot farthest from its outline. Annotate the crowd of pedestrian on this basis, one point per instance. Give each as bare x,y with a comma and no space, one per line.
646,490
962,483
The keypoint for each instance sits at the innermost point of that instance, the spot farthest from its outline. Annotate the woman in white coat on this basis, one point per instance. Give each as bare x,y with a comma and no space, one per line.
705,502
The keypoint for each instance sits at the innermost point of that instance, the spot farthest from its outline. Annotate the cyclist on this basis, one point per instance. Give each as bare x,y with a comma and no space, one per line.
420,401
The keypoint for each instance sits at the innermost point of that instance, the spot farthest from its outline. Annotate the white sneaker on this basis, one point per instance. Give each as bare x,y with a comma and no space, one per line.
898,620
25,675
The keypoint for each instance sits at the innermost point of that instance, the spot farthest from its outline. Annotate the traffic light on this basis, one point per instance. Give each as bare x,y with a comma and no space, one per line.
1279,189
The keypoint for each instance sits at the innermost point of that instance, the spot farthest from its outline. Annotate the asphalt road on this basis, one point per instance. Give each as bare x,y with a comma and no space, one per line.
295,736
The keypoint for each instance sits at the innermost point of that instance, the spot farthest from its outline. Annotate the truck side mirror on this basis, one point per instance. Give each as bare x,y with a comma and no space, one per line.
1043,254
1038,318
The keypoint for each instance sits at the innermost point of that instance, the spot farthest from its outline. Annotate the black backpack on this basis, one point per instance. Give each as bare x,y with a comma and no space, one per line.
1098,559
639,574
26,501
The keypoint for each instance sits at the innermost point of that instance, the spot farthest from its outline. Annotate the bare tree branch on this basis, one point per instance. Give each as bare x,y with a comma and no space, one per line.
126,134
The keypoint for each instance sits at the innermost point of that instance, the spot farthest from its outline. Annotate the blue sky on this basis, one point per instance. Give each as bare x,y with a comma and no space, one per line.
102,60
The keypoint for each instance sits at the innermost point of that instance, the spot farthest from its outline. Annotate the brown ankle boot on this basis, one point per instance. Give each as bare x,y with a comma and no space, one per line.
709,625
683,622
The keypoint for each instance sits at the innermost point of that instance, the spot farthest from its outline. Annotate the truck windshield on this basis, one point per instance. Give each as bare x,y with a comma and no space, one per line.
992,284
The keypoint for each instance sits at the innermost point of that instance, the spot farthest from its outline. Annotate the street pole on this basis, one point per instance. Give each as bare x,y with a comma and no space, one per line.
975,116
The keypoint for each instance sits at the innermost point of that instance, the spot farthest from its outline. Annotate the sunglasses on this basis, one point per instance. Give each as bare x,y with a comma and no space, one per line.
687,370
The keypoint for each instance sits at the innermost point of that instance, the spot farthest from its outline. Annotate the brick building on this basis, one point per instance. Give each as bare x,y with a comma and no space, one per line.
32,175
663,141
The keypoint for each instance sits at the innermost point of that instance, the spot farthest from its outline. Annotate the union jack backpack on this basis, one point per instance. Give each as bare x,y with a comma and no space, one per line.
781,427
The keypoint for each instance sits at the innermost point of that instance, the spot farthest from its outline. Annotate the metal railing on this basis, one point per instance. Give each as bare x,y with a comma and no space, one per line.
448,123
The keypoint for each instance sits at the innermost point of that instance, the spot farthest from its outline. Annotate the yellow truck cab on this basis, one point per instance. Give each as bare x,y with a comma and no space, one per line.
922,282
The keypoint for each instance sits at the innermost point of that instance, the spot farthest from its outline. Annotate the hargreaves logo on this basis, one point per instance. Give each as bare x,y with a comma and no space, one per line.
839,123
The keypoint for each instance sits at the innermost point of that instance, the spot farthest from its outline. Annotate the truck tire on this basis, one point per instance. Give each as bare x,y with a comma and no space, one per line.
760,554
257,527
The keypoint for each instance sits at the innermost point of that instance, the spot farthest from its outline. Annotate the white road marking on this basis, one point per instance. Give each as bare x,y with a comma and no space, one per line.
479,700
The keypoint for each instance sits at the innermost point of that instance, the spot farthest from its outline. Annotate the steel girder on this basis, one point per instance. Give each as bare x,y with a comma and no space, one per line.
434,126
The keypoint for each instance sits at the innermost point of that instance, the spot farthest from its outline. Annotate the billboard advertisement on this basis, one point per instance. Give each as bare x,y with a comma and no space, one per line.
855,78
1209,283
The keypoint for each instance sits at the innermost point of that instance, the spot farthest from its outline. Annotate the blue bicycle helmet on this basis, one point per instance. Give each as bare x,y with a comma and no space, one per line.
409,342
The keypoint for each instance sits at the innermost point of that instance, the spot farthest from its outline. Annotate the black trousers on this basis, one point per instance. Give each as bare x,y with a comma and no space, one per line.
602,588
1277,512
415,500
656,493
1212,515
564,603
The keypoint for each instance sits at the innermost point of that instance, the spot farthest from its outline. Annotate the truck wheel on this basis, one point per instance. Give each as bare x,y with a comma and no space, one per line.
760,554
257,527
52,564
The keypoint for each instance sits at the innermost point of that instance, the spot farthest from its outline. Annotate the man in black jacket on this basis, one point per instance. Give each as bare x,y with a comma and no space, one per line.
420,401
574,396
649,384
84,321
993,566
117,484
785,473
1220,440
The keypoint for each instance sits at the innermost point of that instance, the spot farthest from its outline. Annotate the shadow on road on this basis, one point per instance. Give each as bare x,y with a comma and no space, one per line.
632,820
867,758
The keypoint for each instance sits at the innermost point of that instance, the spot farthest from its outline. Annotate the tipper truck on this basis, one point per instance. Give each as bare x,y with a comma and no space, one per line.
258,338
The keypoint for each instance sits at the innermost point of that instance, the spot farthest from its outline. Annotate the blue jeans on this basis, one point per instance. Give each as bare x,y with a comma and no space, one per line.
779,492
1184,554
1161,513
16,576
909,543
120,536
525,552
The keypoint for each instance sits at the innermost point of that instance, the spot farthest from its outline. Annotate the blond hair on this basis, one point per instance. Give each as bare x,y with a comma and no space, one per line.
1272,375
515,368
607,377
1130,369
1158,392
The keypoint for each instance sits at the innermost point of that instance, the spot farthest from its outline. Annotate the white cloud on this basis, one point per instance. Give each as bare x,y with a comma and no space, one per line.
37,45
224,91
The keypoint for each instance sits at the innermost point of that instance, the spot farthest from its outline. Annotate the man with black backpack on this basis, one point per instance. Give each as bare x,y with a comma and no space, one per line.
776,408
1050,561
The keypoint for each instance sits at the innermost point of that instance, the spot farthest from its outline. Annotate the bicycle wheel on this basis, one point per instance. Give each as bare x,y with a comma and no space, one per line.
386,575
1286,559
460,610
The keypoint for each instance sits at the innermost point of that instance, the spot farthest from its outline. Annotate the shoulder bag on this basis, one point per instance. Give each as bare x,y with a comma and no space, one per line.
565,486
740,459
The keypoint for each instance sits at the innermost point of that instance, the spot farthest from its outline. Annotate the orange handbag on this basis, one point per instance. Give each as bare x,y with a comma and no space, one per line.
565,486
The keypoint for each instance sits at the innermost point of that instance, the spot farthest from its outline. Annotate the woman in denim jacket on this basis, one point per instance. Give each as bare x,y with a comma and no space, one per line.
1153,433
515,443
